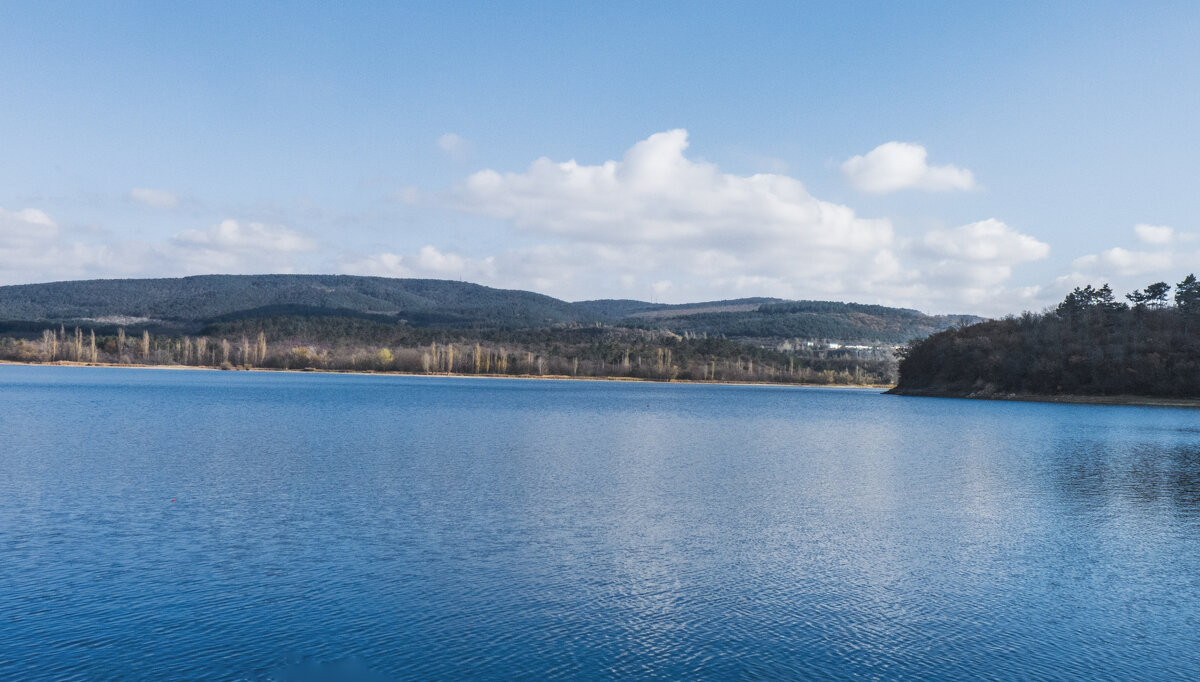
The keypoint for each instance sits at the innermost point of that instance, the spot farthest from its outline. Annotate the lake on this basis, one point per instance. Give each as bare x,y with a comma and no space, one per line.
268,526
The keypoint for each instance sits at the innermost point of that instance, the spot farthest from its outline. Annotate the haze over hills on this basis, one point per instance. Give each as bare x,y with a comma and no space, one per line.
188,304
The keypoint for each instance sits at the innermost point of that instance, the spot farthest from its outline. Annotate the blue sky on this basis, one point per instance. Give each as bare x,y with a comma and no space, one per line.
1006,151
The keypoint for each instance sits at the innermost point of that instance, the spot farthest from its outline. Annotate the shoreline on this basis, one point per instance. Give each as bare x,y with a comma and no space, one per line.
1072,399
451,375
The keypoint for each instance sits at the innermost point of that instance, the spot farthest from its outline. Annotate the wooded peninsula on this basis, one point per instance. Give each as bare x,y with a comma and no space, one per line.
1091,344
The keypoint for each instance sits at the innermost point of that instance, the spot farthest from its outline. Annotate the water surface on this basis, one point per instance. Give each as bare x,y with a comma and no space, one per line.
220,525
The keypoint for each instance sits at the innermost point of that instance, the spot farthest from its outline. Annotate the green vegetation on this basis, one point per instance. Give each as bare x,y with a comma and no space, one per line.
189,304
852,322
380,324
1090,345
351,344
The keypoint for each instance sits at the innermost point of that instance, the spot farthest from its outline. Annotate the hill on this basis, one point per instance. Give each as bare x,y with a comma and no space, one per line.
1090,345
188,301
776,320
189,304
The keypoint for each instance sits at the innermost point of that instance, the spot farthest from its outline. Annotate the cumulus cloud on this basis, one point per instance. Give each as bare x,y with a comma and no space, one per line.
655,223
25,227
457,146
1167,252
655,216
987,241
428,262
894,166
231,246
154,198
1154,234
656,195
1161,235
972,264
232,235
1118,261
33,247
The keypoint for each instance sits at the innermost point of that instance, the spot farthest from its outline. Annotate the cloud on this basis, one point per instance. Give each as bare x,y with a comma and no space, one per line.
986,242
235,247
651,223
894,166
1118,261
656,195
455,145
154,198
231,235
1161,235
656,215
1154,234
429,262
655,223
33,247
25,227
972,264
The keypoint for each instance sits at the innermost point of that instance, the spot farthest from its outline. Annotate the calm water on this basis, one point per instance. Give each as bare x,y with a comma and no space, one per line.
209,525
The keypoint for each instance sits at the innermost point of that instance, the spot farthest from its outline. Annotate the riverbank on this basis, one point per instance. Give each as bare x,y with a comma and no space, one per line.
1148,401
542,377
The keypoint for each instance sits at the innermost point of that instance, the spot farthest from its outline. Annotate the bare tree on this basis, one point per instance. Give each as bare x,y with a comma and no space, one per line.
262,348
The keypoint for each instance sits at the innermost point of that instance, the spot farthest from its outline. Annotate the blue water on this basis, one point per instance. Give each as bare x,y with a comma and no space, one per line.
222,525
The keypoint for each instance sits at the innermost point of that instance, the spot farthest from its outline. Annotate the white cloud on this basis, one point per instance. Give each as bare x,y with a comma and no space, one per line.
235,247
1154,234
1118,261
455,145
655,195
33,247
894,166
989,242
429,262
154,198
1162,261
971,265
1161,235
25,227
654,217
231,235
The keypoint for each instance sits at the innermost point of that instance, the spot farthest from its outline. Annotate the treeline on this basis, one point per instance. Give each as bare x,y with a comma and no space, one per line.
356,344
184,300
187,305
1090,344
846,322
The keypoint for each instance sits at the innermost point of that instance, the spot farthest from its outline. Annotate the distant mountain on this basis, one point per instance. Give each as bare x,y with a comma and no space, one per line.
188,304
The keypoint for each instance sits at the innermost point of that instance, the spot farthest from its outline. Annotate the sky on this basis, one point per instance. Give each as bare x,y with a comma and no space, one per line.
951,157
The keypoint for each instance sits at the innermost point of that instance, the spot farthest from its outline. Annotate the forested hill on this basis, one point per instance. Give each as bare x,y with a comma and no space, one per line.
190,304
775,319
1090,345
210,297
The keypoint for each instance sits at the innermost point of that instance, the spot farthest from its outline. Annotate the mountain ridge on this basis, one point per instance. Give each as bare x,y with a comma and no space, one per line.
186,303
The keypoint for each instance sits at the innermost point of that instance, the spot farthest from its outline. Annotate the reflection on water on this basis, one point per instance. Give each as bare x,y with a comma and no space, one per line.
212,525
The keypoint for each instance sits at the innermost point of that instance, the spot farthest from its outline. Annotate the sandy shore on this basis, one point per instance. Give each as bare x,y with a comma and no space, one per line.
539,377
